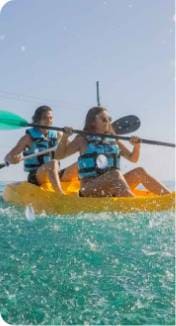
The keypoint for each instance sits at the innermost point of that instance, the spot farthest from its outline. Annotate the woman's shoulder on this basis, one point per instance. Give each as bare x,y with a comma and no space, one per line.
80,142
79,138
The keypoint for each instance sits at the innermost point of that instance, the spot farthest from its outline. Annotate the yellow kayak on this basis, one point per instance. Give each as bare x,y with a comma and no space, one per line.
46,199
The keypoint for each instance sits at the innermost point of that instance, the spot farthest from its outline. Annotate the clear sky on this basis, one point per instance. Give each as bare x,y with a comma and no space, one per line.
53,51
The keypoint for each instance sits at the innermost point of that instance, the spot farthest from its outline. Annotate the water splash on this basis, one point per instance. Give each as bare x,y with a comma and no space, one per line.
105,268
30,213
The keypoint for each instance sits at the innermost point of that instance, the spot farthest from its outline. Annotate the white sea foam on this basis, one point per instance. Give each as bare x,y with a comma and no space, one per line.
30,213
2,321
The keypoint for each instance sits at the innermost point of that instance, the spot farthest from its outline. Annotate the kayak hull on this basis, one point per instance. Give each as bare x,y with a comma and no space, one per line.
45,199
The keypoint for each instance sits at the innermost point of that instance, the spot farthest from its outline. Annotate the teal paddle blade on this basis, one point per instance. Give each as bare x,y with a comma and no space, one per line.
10,120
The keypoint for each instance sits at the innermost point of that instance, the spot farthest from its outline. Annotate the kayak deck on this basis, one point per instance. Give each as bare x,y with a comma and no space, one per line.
45,199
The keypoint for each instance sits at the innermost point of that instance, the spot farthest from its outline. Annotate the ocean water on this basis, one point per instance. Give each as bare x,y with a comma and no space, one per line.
101,269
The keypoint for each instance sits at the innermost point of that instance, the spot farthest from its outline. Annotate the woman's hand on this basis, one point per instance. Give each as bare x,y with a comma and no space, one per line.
68,131
134,140
133,155
15,159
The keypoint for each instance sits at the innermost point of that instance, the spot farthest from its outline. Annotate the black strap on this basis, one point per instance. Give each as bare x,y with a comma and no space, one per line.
32,166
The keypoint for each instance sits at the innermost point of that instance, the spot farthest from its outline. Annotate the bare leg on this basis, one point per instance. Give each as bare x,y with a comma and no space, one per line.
50,170
111,183
139,175
70,173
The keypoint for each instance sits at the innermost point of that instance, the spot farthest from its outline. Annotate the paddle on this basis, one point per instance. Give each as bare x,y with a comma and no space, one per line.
51,149
98,93
150,141
126,124
12,121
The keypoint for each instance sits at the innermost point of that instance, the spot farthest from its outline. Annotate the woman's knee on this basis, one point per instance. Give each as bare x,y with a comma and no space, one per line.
115,174
140,171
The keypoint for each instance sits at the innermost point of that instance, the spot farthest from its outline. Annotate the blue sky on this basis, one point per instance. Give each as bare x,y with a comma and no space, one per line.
53,51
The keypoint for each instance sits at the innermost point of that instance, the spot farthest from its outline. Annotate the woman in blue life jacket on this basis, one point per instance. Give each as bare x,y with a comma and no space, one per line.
43,167
99,160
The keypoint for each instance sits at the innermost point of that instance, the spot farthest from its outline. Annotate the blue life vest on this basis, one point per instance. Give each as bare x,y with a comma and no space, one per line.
99,151
39,143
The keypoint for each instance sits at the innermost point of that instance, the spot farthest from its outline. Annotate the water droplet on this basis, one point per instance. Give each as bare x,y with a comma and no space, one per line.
30,213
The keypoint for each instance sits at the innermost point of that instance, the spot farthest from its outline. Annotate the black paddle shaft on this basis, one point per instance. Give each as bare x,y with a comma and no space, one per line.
76,131
150,141
121,126
81,132
98,93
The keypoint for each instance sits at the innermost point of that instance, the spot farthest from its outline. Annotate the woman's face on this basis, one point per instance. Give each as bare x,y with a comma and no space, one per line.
103,122
47,118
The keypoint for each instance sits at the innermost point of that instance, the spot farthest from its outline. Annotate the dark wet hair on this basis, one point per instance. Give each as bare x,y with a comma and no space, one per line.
39,112
91,116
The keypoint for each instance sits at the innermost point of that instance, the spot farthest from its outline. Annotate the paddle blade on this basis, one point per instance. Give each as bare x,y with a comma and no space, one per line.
126,124
10,120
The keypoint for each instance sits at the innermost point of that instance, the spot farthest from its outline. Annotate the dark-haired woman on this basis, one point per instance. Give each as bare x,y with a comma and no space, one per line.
37,139
99,160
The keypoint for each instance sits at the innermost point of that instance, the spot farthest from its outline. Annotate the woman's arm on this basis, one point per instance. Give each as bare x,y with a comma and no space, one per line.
14,156
66,147
59,136
134,155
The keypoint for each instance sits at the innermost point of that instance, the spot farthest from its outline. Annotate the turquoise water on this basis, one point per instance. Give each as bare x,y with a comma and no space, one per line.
88,269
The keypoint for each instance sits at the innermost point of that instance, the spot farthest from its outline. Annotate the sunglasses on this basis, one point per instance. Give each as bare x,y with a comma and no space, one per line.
108,119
